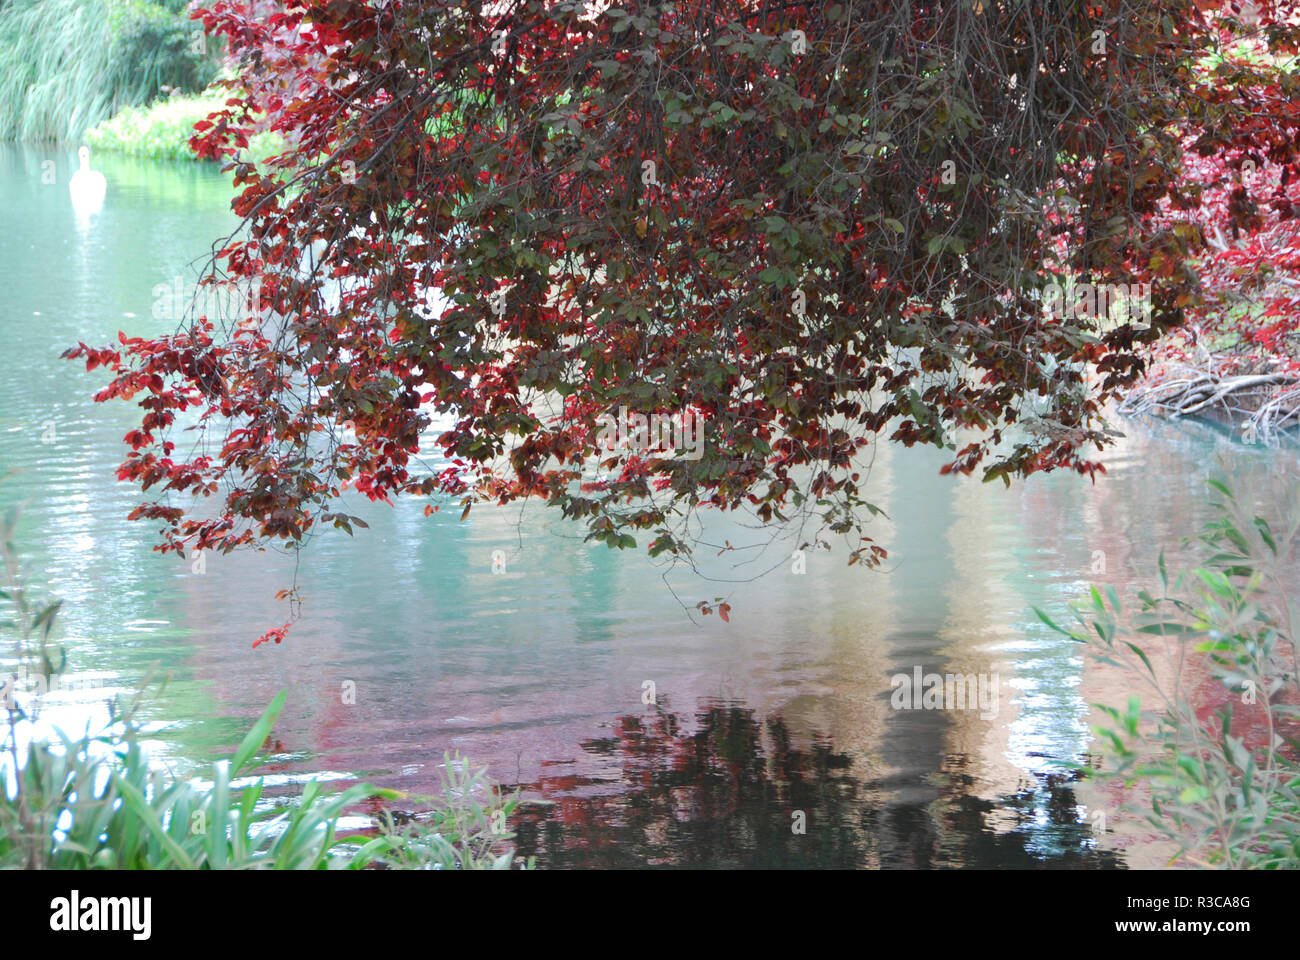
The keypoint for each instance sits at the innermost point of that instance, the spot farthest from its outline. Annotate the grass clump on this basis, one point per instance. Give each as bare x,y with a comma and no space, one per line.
100,802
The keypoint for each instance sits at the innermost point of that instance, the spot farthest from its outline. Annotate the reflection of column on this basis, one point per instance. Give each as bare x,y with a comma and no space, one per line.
985,603
913,747
857,610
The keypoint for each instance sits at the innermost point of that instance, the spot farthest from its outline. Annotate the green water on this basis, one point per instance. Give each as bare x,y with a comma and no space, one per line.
539,671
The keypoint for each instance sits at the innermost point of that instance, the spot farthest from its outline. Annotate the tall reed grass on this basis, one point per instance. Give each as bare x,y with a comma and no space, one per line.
66,65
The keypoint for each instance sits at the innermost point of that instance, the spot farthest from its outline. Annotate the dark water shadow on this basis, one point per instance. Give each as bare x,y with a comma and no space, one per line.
726,795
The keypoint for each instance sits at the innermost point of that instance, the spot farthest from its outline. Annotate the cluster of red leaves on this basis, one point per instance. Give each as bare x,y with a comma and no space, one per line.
276,633
1241,184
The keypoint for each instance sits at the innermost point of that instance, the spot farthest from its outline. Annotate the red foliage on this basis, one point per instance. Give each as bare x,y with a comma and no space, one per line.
1240,192
678,209
277,634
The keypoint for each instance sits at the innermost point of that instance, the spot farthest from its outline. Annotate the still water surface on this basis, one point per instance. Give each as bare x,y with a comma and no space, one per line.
538,672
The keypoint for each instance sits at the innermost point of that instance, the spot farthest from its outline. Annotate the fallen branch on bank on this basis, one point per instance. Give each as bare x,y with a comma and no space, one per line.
1260,404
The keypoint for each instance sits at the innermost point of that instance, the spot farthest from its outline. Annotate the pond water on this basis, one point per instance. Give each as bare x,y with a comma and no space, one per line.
539,671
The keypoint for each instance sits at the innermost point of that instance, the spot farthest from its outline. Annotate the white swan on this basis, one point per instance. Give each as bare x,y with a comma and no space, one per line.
87,188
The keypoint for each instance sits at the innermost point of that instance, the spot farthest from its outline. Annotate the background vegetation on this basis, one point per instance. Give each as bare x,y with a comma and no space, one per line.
162,129
65,65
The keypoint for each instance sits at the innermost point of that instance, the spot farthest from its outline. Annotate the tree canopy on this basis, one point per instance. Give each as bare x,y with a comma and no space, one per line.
812,226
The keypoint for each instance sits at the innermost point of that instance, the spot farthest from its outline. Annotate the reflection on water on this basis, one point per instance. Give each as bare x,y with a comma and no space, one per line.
538,670
737,790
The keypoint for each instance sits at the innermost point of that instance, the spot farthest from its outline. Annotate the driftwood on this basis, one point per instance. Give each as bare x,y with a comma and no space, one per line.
1261,404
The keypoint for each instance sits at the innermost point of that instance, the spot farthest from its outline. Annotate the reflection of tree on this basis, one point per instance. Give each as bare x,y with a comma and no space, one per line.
724,796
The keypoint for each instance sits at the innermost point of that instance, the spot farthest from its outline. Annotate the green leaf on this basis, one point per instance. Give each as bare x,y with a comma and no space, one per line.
1138,650
133,798
1216,582
1048,620
1169,628
258,734
1194,795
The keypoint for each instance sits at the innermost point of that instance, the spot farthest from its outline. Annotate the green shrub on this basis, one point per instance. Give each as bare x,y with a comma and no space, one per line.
162,130
98,803
1218,800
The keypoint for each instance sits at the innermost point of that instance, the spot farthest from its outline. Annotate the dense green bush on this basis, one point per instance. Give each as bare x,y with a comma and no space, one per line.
65,65
162,130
